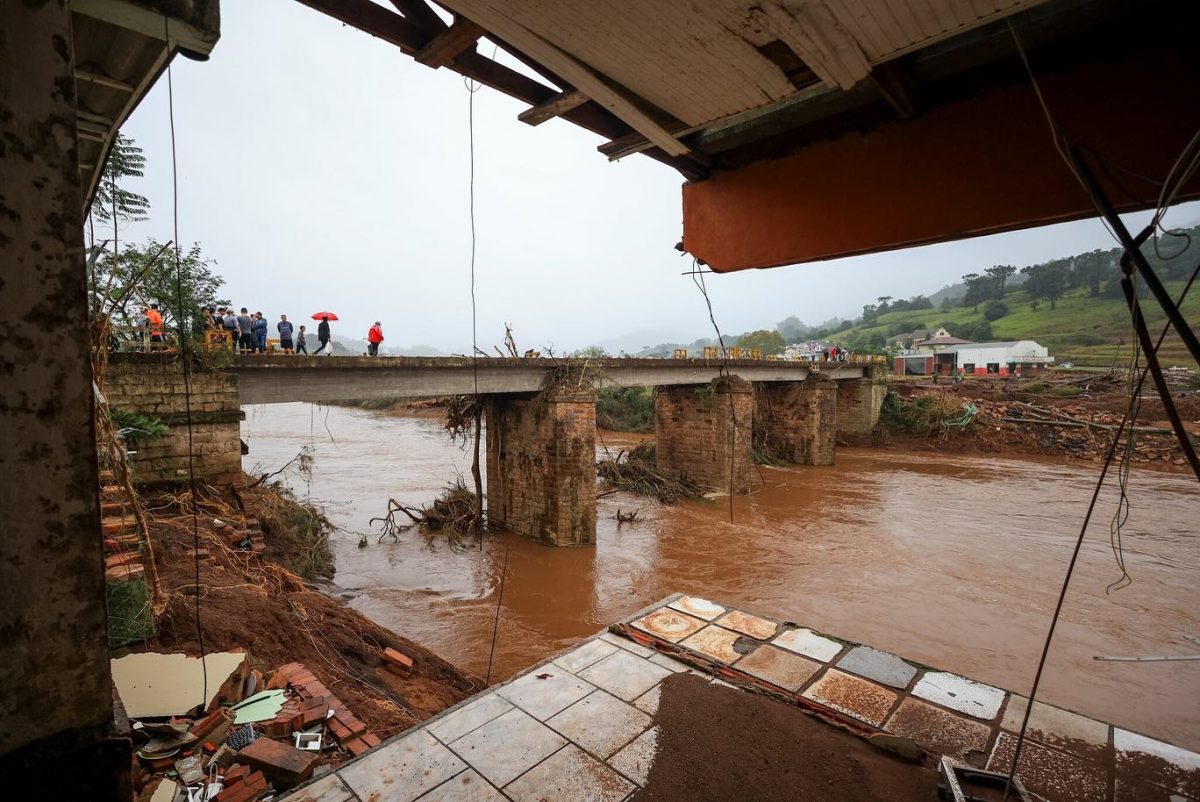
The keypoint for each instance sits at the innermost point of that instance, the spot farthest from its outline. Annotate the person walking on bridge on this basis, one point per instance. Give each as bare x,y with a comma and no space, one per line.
323,336
301,345
374,338
284,327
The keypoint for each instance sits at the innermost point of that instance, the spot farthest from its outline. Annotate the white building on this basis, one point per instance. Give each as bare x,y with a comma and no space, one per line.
1003,358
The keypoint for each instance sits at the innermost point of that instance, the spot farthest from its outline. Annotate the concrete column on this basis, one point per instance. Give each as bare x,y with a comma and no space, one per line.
541,466
795,422
56,723
860,400
702,431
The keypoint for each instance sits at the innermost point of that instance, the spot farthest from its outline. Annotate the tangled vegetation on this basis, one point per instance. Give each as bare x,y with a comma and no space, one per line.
923,415
453,514
299,534
636,472
135,427
625,409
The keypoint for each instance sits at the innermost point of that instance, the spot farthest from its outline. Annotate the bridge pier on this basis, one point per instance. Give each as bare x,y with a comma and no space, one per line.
796,421
541,465
860,400
701,430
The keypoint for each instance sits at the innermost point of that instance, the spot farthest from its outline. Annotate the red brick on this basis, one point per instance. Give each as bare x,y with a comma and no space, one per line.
235,774
314,715
400,663
357,746
371,739
316,701
253,787
284,764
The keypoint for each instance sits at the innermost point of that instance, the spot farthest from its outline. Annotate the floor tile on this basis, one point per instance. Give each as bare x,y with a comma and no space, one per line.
583,656
1056,727
635,760
625,675
468,717
779,666
1157,762
880,666
627,644
853,696
466,787
600,723
648,701
715,642
570,775
1129,789
939,731
747,624
1053,775
809,644
402,770
961,694
326,789
542,698
694,605
507,747
670,664
668,624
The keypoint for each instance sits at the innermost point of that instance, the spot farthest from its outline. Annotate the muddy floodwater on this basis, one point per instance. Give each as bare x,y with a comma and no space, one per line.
951,561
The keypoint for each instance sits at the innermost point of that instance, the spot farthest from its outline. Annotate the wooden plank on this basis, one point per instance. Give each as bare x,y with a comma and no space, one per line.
616,99
375,20
421,15
442,49
554,107
510,82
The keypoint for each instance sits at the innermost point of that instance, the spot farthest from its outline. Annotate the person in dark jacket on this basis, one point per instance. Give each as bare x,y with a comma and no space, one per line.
284,327
258,327
245,335
301,345
323,336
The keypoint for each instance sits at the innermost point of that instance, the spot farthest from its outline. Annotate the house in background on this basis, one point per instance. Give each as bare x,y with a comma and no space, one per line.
976,359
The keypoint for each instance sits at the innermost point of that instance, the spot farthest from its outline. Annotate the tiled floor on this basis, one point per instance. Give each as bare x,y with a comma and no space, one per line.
580,727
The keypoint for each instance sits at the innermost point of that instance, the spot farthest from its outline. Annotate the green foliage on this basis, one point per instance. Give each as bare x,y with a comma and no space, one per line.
591,352
771,342
921,415
999,275
138,428
1046,281
123,287
995,310
125,160
625,409
130,618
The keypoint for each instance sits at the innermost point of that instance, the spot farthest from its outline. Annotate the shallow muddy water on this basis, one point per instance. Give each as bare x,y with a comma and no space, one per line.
951,561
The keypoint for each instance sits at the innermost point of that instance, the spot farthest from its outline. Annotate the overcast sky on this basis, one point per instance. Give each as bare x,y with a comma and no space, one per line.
323,169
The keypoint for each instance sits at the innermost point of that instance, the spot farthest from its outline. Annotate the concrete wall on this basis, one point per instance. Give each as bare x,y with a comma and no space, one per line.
859,402
58,704
153,385
697,428
541,466
796,421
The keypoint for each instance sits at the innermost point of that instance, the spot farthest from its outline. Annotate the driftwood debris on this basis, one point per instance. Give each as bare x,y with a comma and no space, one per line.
636,472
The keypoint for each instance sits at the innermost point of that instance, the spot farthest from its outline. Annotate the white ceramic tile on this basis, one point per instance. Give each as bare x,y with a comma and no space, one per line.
628,645
403,770
809,644
752,625
714,642
468,717
1055,726
694,605
670,664
507,747
668,624
542,698
600,723
327,789
625,675
635,760
961,694
648,701
466,787
1126,741
570,775
583,656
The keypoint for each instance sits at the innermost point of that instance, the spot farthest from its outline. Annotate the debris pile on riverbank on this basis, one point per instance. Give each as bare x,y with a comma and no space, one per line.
250,599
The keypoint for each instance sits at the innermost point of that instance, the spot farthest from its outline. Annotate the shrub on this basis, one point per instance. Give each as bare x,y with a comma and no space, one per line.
625,409
995,310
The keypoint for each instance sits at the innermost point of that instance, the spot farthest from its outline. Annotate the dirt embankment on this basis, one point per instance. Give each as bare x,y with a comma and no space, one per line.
1073,417
258,603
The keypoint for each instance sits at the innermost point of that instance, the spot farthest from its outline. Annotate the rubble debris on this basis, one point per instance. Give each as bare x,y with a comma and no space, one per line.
260,707
398,663
159,685
637,472
284,765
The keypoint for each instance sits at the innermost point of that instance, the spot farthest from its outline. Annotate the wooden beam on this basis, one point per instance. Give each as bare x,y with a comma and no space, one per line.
555,106
373,19
94,118
616,99
421,15
103,80
497,76
442,49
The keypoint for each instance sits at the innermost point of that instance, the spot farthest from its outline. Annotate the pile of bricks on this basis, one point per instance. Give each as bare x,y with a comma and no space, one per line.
119,528
309,703
253,529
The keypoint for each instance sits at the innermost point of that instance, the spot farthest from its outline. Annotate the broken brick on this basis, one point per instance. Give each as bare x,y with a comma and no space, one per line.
283,764
253,787
402,664
356,746
371,739
235,774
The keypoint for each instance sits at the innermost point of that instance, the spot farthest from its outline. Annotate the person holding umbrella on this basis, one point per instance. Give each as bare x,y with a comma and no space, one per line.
323,335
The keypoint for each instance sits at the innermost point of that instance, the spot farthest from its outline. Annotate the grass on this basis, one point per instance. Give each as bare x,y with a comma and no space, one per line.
1082,329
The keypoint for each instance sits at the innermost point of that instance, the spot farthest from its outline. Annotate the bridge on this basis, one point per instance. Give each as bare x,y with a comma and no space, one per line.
540,416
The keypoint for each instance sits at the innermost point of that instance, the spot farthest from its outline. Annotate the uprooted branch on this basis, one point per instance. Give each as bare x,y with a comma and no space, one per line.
453,513
637,473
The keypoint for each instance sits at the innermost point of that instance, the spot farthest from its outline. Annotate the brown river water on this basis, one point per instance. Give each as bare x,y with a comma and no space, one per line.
952,561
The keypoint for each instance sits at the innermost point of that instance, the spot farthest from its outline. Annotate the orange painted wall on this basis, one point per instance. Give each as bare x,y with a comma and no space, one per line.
973,167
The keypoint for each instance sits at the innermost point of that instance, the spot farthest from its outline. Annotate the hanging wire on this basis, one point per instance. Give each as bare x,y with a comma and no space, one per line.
185,358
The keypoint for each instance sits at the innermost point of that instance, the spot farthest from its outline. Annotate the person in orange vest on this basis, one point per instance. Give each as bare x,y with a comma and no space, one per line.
374,338
154,321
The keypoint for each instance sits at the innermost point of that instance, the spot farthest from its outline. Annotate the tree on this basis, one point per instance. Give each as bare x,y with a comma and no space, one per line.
919,302
1048,281
591,352
141,283
1088,269
979,289
770,341
884,300
995,310
125,160
999,275
870,314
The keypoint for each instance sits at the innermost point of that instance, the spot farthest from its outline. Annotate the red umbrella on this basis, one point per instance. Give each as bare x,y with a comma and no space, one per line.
319,315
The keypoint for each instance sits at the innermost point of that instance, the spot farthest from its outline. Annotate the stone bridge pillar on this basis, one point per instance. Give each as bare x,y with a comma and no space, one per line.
541,465
701,429
795,422
860,400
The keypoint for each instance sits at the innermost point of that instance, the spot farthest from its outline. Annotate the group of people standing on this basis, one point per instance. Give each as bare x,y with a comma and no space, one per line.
249,332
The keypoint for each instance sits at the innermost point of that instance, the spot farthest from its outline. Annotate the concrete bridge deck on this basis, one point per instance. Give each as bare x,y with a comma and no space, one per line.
284,378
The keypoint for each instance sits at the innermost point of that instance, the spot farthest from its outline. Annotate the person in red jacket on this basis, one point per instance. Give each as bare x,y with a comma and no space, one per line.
374,338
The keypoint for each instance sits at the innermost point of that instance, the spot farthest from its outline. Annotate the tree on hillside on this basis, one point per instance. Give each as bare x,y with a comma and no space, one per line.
591,352
999,275
140,282
125,160
792,329
870,314
884,301
979,289
1048,281
995,310
1088,270
771,342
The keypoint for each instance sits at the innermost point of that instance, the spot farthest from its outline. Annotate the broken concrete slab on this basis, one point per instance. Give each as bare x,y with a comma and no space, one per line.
600,723
625,675
715,642
283,764
961,694
854,696
880,666
779,666
327,789
570,774
153,685
808,643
